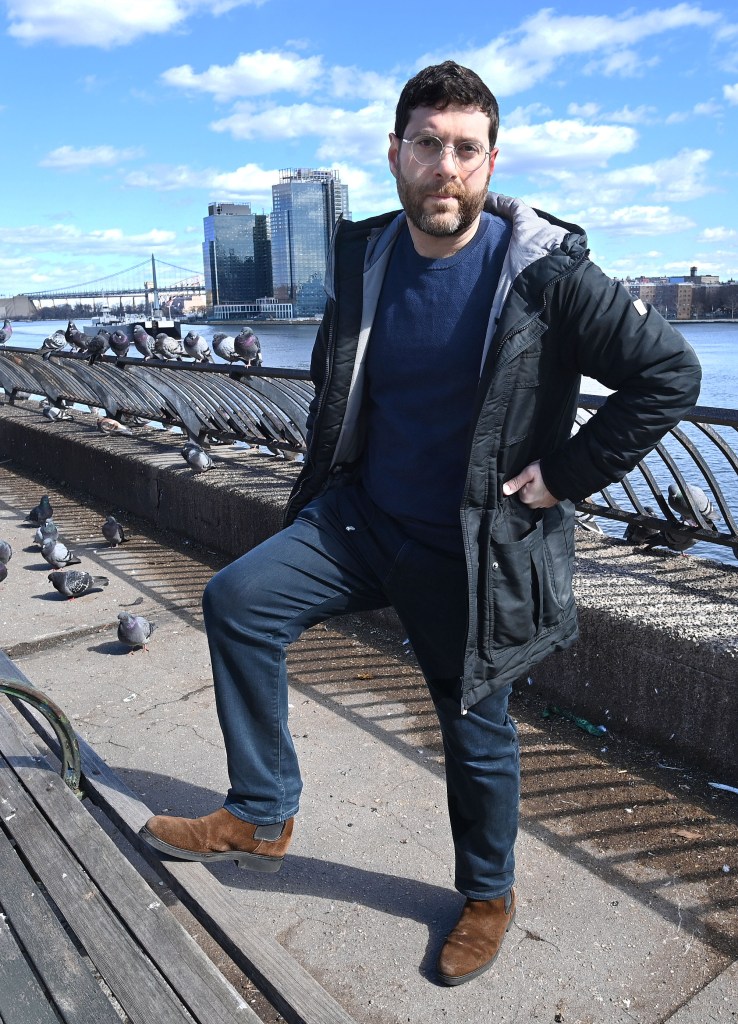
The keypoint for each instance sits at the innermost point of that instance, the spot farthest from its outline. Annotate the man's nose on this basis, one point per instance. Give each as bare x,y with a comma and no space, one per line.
447,161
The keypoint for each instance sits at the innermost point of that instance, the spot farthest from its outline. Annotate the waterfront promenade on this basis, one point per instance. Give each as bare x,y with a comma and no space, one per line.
626,912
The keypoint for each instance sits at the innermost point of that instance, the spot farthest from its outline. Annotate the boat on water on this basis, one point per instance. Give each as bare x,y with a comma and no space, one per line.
157,323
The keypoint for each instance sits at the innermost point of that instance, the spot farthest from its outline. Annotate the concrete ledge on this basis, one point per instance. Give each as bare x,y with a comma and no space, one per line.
658,654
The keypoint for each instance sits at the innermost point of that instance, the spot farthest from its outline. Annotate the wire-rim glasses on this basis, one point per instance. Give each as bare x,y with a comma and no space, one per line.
428,150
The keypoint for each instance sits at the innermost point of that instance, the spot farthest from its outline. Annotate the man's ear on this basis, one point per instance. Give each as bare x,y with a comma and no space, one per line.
393,154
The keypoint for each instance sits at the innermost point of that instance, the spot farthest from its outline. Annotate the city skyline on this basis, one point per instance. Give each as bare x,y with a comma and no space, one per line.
122,125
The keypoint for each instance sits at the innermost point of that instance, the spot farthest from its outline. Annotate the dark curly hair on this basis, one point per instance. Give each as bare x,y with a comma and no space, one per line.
442,84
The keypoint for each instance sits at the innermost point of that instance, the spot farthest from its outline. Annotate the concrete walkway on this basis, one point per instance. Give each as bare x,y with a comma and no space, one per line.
626,909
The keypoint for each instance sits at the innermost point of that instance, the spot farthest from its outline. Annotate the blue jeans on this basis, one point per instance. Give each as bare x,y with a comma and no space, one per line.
343,554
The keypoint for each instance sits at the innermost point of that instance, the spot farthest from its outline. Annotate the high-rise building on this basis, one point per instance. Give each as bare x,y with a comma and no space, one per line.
306,205
228,254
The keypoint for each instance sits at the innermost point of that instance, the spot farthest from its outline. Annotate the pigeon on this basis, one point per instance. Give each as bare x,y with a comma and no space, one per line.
107,425
675,537
112,531
6,552
3,571
637,534
700,501
58,554
120,343
143,342
5,331
74,582
224,346
196,457
46,530
134,630
54,343
76,338
98,346
41,512
168,348
248,347
54,412
197,348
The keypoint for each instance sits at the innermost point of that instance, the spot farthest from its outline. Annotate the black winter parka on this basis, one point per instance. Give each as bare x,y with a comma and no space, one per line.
555,317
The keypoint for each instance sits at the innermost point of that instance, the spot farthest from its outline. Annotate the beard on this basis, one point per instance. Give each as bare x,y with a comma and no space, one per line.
440,223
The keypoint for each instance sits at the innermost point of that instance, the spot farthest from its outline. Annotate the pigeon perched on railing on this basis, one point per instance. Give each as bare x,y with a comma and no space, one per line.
113,531
224,345
197,348
119,344
196,457
134,630
108,425
41,512
6,552
54,343
143,341
46,530
700,501
55,412
76,338
167,348
57,554
98,346
248,347
5,331
73,583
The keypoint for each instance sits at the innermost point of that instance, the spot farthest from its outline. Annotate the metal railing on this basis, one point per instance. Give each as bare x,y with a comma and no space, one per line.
226,402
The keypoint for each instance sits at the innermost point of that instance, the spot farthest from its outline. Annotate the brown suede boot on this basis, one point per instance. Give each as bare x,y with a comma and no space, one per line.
220,836
474,943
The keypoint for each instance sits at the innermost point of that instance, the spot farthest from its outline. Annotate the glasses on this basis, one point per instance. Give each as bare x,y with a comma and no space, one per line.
428,150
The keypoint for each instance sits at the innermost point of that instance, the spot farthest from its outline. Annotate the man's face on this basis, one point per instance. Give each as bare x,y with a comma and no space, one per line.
442,199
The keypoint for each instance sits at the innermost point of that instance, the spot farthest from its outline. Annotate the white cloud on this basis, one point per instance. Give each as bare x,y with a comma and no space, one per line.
555,143
718,234
69,158
730,92
92,23
586,110
251,74
634,220
69,238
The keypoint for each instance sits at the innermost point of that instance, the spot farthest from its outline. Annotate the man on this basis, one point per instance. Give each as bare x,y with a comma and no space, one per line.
440,478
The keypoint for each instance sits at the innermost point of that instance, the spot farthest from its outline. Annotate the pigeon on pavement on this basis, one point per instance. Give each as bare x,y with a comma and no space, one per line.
3,571
112,531
73,583
197,458
41,512
134,630
6,552
54,412
46,530
57,554
107,425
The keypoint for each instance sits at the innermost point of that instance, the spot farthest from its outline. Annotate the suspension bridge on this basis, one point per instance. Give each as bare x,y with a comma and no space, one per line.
140,280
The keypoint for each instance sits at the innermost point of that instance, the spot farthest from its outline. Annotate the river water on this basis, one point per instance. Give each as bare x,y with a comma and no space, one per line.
716,344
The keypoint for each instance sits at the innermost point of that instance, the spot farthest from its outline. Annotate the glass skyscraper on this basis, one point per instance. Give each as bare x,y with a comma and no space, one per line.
236,254
306,205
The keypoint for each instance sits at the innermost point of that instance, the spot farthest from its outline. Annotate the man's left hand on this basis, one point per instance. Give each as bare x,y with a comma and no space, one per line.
530,488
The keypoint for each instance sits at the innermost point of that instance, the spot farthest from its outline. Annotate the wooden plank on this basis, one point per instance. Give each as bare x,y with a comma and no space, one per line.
198,982
22,1000
71,986
135,983
293,991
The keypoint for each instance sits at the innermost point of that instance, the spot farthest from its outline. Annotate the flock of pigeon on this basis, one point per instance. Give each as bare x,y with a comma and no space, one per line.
243,347
133,630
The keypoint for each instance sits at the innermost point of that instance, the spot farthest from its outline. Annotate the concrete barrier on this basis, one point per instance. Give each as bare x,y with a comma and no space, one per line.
657,659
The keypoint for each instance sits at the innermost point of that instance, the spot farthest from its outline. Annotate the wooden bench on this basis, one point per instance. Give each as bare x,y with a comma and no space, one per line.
81,931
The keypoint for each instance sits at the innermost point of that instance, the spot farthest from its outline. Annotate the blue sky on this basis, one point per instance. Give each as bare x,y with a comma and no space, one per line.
122,120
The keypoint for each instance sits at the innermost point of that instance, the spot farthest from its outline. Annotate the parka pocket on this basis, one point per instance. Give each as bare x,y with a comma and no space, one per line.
513,590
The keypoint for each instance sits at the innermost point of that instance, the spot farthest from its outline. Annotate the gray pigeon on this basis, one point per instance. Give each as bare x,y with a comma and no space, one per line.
3,571
197,348
224,345
57,554
637,533
700,501
76,338
248,347
5,331
197,458
134,630
98,346
143,342
74,582
168,348
54,343
54,412
41,512
112,531
120,343
46,530
6,552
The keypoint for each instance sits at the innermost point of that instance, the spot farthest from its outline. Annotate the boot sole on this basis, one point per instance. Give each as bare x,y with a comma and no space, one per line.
251,861
459,979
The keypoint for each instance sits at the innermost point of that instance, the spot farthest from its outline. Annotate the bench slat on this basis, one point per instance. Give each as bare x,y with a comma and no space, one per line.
198,982
22,1000
72,988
